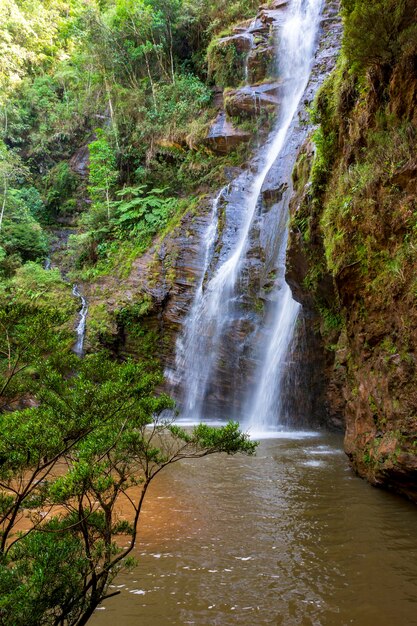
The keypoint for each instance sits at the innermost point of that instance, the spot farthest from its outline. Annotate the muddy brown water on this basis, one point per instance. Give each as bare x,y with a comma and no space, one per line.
290,537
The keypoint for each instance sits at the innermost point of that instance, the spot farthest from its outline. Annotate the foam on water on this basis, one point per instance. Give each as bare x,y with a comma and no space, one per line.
282,434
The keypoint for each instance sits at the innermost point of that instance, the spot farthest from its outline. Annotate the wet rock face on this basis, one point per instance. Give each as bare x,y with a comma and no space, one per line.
261,62
326,379
224,137
251,100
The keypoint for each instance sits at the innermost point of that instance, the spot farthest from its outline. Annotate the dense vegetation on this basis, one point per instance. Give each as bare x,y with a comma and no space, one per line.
103,108
128,79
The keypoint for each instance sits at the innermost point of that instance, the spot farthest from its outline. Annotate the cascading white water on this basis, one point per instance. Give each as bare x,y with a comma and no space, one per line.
298,38
78,347
251,45
192,347
80,330
198,350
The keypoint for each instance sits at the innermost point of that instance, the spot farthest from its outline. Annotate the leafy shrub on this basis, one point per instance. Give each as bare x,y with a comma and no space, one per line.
143,213
32,284
225,63
177,104
373,30
61,183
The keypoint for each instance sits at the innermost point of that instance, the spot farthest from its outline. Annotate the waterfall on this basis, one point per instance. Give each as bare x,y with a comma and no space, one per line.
214,308
296,52
78,347
251,46
193,348
80,330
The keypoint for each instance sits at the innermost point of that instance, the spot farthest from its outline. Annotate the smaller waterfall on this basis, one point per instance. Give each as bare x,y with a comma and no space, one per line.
268,400
78,347
193,349
251,46
80,330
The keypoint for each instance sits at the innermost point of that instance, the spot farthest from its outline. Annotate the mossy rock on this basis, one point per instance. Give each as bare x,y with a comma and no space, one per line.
261,63
226,60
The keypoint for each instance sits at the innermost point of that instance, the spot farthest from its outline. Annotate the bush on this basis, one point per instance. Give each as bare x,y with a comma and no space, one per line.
61,183
225,63
373,31
176,106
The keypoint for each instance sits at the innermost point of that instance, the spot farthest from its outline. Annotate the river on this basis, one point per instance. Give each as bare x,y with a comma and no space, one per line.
290,537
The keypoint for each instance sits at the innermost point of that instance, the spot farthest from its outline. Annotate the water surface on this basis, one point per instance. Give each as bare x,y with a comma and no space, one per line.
290,537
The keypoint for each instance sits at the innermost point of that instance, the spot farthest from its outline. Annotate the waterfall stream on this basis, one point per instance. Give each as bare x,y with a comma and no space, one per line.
80,330
217,307
193,347
297,45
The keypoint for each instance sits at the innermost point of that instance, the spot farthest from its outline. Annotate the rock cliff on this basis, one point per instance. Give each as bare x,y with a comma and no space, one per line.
352,253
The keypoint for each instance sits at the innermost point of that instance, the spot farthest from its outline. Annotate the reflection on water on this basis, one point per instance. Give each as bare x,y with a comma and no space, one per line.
290,537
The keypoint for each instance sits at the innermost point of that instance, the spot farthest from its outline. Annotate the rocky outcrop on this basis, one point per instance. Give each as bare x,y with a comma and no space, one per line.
240,64
79,162
227,58
224,137
366,362
326,379
250,101
145,309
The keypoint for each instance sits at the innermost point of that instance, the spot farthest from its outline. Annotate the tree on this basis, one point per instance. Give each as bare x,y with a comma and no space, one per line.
373,29
31,326
102,173
11,168
21,236
96,436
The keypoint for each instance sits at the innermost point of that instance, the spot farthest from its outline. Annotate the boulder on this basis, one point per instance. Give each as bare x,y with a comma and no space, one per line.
227,59
242,42
80,161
